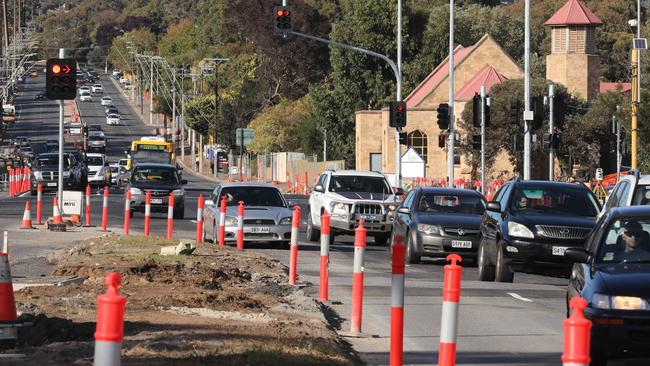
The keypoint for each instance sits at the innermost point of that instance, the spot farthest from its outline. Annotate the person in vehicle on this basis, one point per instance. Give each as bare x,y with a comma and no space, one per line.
633,240
522,203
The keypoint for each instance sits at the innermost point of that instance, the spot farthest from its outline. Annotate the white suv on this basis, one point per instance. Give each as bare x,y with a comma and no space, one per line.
99,173
632,190
97,88
349,196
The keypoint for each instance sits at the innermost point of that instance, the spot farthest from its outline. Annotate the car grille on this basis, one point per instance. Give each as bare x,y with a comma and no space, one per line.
92,172
368,209
159,193
563,232
454,231
50,175
259,222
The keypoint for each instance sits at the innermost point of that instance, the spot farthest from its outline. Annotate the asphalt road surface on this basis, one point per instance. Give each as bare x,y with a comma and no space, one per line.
500,324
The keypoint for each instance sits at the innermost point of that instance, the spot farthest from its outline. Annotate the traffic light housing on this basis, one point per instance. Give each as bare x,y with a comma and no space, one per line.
443,117
515,112
559,110
476,110
476,142
441,141
556,141
282,19
537,105
547,141
61,79
403,139
397,115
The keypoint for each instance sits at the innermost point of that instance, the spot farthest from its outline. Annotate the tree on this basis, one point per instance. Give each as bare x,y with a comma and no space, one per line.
182,43
276,127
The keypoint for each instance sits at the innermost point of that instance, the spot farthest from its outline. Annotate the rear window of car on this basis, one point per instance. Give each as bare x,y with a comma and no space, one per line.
559,200
253,196
450,203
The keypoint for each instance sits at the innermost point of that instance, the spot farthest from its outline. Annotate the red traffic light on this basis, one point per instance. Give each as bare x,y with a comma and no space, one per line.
286,13
279,12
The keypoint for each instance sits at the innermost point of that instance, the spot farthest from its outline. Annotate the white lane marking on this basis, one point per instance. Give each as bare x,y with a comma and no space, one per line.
519,297
193,221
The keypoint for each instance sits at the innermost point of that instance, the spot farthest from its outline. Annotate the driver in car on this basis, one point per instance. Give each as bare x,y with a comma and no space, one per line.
634,241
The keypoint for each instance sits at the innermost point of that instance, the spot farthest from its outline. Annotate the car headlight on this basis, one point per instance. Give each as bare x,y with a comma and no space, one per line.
178,192
136,191
66,174
231,221
392,207
518,230
285,221
38,175
629,303
600,301
339,209
428,229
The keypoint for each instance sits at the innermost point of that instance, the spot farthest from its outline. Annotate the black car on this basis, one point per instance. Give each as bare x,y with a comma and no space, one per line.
45,171
612,273
80,161
530,224
161,180
40,96
52,145
439,221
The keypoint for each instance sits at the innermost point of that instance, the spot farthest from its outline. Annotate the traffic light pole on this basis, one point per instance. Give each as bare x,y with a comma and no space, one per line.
450,145
551,150
617,130
482,139
527,117
61,146
398,146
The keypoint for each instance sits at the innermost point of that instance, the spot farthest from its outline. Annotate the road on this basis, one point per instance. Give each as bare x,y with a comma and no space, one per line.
500,323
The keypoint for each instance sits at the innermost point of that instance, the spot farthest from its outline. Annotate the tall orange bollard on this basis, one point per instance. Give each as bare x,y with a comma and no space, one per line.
199,219
170,217
39,204
397,304
357,278
293,255
88,205
324,256
109,333
105,209
147,213
222,222
240,226
577,333
127,211
450,301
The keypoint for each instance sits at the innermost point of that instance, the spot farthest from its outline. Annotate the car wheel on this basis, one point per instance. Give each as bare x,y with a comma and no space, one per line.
485,268
411,257
381,239
503,271
312,233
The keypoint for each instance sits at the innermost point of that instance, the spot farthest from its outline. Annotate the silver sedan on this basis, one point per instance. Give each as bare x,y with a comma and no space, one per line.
267,217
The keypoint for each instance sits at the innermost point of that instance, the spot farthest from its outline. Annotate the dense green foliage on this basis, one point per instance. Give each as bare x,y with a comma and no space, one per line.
302,88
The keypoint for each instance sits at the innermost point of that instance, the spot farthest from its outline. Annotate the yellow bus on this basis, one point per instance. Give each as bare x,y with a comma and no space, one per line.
151,150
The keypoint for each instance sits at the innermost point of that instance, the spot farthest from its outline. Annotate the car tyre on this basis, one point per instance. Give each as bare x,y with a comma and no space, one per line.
485,268
411,257
381,239
503,271
312,233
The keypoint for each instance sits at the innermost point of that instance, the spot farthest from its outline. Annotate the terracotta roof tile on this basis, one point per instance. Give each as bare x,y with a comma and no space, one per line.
487,77
574,12
614,87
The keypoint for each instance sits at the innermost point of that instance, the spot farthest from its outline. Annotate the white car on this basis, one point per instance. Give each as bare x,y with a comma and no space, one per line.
106,101
116,72
85,96
97,88
113,119
127,85
124,80
98,172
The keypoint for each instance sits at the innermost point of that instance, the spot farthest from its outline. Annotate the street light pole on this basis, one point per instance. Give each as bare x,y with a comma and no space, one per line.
452,118
527,112
398,152
551,151
483,101
151,94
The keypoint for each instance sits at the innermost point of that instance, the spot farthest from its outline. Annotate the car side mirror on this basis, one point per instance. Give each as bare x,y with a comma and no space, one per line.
577,255
319,188
398,191
404,210
209,202
184,181
493,206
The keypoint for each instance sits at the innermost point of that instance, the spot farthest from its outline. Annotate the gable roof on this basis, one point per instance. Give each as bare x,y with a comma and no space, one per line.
487,77
574,12
436,76
614,87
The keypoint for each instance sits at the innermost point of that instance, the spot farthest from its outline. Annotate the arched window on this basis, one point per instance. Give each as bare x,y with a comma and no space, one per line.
418,141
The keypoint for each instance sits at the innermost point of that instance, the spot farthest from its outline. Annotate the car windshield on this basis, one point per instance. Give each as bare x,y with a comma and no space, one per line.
113,116
253,196
451,203
155,175
625,240
95,160
95,138
641,195
557,200
51,161
355,183
8,111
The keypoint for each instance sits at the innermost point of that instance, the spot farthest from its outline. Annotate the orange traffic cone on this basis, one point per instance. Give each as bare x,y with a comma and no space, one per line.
27,217
57,212
7,303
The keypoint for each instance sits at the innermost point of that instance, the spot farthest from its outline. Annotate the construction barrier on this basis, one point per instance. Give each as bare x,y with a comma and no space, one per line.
170,216
324,256
199,219
27,217
39,204
147,213
450,301
222,222
293,251
357,278
127,211
7,302
109,333
105,209
56,211
240,226
397,304
577,331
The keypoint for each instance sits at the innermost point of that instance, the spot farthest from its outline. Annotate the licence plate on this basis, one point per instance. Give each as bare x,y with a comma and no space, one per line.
368,217
156,201
558,250
257,229
467,244
51,184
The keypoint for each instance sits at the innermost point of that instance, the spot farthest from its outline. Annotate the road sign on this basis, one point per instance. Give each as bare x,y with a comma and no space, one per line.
72,202
244,136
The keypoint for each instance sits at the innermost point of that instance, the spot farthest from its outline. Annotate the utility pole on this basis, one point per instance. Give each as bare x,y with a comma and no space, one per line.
452,118
616,129
398,147
324,145
61,146
5,41
527,112
636,88
483,101
551,131
182,123
151,94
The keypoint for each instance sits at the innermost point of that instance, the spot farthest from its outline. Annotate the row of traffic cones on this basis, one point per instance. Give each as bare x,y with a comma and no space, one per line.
27,215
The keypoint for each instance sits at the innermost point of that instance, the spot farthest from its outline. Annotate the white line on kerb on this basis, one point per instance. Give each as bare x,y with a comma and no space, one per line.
519,297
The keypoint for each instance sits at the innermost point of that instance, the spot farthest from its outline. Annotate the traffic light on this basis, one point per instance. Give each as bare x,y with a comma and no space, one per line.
283,22
515,108
547,141
487,111
441,141
556,141
476,142
559,107
403,138
61,79
537,105
476,110
517,142
443,117
397,115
